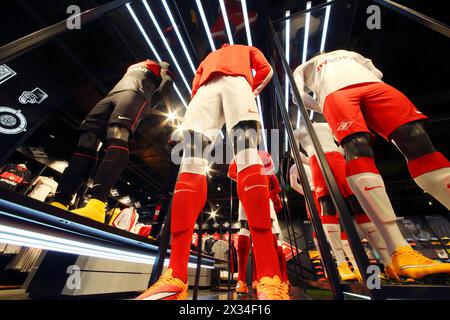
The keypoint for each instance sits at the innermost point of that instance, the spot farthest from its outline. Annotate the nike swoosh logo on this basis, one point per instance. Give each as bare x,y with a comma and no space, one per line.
332,231
96,185
419,266
186,190
160,296
370,232
371,188
252,111
123,118
255,186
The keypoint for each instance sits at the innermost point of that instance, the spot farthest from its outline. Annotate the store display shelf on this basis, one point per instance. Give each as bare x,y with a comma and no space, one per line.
29,222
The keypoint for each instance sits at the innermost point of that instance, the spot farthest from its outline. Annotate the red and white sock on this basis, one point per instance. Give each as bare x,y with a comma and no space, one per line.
188,200
374,237
368,186
431,172
243,251
333,233
253,191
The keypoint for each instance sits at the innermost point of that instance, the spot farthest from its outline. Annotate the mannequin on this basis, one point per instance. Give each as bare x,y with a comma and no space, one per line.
225,87
114,119
352,97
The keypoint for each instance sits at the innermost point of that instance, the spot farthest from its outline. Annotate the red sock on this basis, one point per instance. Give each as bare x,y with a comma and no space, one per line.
283,264
243,251
188,200
253,191
254,273
427,163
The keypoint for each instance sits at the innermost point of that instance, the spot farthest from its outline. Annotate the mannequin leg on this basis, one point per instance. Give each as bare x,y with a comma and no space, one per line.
429,168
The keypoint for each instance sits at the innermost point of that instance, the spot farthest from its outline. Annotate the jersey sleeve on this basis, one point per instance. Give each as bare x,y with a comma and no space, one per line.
308,101
293,177
232,170
197,78
368,64
263,70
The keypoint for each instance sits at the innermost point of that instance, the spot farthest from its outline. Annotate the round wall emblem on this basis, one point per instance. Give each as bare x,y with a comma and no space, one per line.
12,121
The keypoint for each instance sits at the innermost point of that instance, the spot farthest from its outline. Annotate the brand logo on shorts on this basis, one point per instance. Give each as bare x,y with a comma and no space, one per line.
318,190
371,188
252,111
123,118
344,125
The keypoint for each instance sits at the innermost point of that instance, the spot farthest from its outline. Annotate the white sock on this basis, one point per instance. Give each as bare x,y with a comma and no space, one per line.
376,241
371,193
333,234
436,183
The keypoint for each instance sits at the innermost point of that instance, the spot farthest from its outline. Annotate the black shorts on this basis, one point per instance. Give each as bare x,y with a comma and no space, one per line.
126,108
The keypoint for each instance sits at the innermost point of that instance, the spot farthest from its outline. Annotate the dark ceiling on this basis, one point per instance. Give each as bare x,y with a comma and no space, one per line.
89,61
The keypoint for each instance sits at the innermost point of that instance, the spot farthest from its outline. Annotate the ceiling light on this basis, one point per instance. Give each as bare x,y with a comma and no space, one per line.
166,44
286,79
218,189
323,40
171,116
180,38
305,48
227,22
246,22
152,47
205,24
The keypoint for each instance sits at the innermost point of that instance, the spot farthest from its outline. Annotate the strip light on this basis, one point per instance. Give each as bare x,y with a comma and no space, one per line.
152,47
31,239
205,24
227,23
305,51
166,44
250,43
246,22
286,79
358,296
324,39
180,38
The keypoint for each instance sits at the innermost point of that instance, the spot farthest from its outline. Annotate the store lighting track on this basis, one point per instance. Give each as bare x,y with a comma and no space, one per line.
151,46
180,38
205,24
166,44
324,38
226,21
286,78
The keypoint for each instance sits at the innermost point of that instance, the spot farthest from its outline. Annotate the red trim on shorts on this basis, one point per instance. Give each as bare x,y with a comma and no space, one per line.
137,117
344,236
330,219
361,165
314,235
118,147
84,156
362,218
427,163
